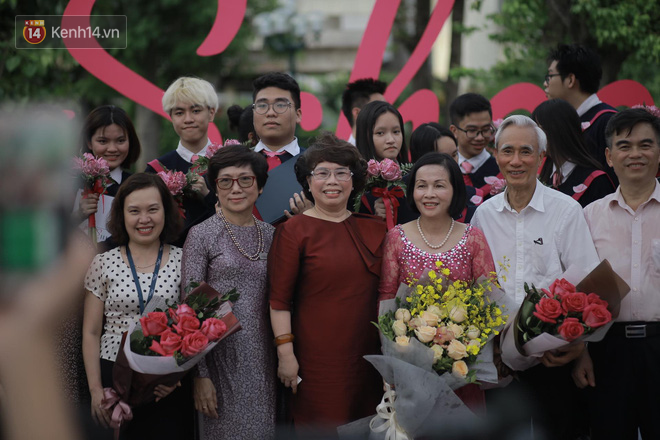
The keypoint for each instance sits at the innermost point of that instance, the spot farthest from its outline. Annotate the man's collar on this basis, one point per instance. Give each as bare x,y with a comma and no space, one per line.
618,197
587,104
536,203
187,155
475,161
291,148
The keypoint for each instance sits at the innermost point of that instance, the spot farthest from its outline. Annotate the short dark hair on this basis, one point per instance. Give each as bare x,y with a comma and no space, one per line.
582,62
458,199
357,94
561,124
466,104
627,120
329,148
424,138
242,120
105,116
279,80
364,135
173,219
238,156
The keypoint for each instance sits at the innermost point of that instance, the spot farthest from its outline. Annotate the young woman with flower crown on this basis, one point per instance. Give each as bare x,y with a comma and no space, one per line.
437,192
380,135
119,284
235,385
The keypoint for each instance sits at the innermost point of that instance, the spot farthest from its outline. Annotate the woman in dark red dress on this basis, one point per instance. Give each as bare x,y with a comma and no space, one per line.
323,270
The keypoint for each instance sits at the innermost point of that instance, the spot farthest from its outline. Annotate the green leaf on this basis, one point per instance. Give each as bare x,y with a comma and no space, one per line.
12,63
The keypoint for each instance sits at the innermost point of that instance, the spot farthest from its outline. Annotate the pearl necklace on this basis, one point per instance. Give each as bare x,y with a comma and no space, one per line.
419,228
260,247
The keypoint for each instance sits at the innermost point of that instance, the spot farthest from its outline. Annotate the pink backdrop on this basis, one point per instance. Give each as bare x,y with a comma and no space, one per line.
422,106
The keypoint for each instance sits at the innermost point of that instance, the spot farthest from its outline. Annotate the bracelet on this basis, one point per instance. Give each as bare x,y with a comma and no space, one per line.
284,339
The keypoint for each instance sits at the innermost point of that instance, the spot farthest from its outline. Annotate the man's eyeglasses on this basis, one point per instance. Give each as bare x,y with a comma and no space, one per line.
228,182
261,108
341,174
471,133
550,75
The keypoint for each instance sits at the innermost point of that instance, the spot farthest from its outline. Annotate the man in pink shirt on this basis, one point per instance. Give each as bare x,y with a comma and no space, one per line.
623,371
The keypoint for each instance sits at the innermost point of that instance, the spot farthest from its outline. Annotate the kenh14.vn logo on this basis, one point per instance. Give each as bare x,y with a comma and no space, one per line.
34,31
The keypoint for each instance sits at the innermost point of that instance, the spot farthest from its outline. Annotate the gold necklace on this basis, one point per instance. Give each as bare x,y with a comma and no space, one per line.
260,247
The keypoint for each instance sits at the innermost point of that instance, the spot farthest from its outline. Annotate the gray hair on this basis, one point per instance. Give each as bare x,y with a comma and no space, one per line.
522,121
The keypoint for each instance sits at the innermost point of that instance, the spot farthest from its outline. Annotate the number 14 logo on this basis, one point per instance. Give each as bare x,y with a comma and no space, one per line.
34,31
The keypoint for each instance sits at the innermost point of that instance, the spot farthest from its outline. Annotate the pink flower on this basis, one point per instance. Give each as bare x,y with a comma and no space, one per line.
175,181
194,158
547,310
593,298
585,125
154,323
187,324
194,343
571,329
561,287
213,328
496,185
181,310
579,188
655,111
373,168
169,343
232,142
390,170
574,302
443,335
497,123
476,199
92,166
596,315
213,148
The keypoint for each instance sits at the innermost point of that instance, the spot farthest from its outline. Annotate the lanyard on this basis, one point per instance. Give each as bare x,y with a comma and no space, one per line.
136,280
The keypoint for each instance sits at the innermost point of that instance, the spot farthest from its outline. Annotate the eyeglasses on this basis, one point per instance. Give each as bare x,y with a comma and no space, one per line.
261,108
550,75
471,133
228,182
341,174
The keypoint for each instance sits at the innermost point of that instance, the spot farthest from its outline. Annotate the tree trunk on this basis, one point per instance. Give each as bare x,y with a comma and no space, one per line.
147,125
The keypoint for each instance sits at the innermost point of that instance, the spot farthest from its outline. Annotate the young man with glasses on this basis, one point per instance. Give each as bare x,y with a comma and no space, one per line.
276,113
472,125
574,75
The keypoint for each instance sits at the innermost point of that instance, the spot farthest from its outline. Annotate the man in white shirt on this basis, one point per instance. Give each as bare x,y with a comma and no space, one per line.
574,75
622,370
358,94
541,232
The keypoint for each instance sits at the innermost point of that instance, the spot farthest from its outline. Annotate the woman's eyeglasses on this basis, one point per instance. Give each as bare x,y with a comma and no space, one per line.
228,182
341,174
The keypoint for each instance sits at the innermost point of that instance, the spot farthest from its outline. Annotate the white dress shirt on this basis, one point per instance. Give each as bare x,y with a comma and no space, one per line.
351,140
292,148
116,175
630,241
187,155
587,104
544,239
475,161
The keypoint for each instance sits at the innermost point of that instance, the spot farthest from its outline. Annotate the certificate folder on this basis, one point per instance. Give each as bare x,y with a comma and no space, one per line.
280,187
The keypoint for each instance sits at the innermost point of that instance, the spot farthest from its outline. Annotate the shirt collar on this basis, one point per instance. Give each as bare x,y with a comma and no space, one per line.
475,161
566,170
587,104
116,175
351,140
292,148
187,155
536,203
618,198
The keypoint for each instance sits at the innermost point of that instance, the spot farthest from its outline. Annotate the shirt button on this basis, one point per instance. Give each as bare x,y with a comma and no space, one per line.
635,265
634,289
636,218
636,242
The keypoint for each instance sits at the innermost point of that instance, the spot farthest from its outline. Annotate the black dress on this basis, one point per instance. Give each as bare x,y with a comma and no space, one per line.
587,185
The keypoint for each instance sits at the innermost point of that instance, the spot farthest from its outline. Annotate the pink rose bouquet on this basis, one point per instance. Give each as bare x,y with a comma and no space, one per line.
166,342
563,313
200,164
384,180
95,173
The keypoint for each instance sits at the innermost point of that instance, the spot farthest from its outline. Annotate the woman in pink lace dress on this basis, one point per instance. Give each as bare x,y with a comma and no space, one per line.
436,190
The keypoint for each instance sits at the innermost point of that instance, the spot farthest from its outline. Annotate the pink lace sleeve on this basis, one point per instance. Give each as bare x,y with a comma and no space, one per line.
482,259
389,277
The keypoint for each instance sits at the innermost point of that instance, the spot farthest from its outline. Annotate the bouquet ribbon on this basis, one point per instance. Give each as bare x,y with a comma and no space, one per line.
386,414
97,188
122,410
390,198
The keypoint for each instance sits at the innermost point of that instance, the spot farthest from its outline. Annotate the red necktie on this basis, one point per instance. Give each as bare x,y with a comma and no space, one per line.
467,167
272,157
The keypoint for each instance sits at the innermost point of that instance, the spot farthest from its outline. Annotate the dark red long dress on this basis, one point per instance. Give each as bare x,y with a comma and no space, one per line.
327,275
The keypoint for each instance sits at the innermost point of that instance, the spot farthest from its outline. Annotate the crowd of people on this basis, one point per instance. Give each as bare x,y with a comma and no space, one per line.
310,283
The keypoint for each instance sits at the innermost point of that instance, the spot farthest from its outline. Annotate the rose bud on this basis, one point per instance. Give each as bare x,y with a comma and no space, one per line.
425,333
458,314
181,310
438,351
593,298
402,340
459,369
402,314
390,170
436,310
473,332
456,350
373,168
400,328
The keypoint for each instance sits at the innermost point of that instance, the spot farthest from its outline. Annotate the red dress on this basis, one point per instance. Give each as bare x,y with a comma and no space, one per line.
327,275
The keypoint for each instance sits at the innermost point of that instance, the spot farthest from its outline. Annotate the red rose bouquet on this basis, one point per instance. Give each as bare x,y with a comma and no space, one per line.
166,342
96,175
562,314
385,180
